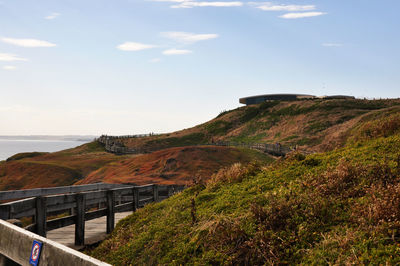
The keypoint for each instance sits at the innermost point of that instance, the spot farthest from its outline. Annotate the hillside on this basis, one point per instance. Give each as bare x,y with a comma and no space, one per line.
337,207
89,163
173,166
316,125
31,170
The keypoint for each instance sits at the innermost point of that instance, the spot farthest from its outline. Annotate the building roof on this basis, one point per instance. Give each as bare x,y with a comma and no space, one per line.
281,96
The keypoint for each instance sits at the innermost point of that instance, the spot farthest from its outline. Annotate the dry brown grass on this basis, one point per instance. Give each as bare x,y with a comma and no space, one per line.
341,180
383,127
231,174
180,165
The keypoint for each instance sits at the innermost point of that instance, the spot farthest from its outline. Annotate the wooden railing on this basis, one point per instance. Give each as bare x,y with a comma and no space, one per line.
16,249
35,192
79,206
273,149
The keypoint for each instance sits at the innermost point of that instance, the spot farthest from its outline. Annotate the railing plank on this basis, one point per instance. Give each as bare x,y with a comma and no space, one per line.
95,214
29,193
20,206
124,207
60,222
145,201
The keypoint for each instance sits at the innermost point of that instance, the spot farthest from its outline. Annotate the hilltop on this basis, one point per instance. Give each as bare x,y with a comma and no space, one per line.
335,207
315,125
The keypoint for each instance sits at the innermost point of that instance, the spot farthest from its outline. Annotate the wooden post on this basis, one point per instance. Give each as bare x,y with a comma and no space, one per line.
155,193
5,212
110,211
80,220
135,198
41,216
170,191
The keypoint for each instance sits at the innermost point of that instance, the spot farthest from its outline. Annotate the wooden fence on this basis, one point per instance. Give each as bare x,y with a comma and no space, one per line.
79,206
273,149
114,146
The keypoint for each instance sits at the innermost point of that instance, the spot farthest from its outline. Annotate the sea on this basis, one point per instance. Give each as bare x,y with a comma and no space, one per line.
9,147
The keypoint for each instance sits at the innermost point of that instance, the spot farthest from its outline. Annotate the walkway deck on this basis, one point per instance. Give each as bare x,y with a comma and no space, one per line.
95,231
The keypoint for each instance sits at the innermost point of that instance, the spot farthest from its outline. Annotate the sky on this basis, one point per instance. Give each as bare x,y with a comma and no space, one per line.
139,66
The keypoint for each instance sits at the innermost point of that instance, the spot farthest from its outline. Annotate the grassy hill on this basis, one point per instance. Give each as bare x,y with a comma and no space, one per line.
30,170
89,163
317,125
337,207
173,166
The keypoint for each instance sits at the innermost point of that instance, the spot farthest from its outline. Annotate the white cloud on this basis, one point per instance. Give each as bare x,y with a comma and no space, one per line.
191,4
302,15
176,52
187,37
172,1
28,42
11,57
9,67
268,6
52,15
155,60
135,46
332,44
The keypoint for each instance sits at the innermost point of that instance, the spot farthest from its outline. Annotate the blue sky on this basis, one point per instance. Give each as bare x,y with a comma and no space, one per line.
139,66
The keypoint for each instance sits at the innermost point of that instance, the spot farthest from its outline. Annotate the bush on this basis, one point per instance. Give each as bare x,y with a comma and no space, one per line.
382,127
234,173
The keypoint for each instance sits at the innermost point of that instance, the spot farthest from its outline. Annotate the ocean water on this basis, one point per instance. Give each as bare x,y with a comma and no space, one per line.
9,147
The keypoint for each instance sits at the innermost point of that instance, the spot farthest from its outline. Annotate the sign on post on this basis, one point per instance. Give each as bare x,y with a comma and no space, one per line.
35,253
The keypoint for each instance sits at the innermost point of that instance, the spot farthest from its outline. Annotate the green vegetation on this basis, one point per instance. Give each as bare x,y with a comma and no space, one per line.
290,138
190,139
339,207
274,121
94,146
224,112
317,126
243,138
23,155
219,127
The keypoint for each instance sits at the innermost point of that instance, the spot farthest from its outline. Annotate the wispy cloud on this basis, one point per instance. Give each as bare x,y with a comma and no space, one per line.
135,46
11,57
269,6
330,44
52,16
176,52
191,4
155,60
28,42
187,37
172,1
9,67
302,15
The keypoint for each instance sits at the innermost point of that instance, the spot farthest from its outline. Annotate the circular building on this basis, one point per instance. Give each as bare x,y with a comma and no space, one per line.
274,97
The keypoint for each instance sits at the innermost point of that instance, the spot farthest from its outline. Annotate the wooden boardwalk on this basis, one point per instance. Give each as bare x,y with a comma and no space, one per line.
92,210
95,231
